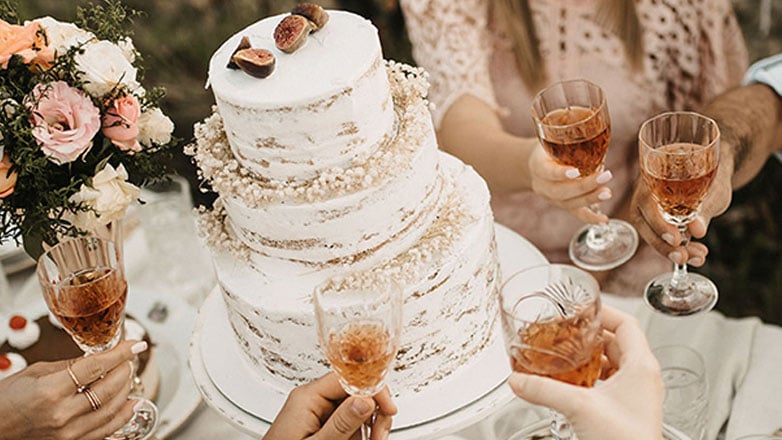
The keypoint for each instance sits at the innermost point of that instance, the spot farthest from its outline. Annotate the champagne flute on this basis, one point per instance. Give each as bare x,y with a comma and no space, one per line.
679,154
573,125
84,286
551,325
358,327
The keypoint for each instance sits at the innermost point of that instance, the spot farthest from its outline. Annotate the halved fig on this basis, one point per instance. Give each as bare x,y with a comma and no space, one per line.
291,33
244,44
314,13
255,62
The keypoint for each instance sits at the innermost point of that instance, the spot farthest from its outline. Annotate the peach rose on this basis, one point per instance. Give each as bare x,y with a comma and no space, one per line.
64,121
27,41
7,180
120,123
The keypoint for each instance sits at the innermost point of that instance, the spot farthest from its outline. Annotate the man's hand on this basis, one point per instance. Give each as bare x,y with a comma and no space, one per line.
665,237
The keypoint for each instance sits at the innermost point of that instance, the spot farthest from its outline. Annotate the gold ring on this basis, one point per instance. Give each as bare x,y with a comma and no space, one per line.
92,397
79,387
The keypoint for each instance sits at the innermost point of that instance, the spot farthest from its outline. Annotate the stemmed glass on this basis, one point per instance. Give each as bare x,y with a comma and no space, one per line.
550,321
572,123
84,286
359,323
679,154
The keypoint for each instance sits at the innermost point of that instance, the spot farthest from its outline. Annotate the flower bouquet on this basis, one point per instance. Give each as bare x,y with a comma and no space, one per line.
78,132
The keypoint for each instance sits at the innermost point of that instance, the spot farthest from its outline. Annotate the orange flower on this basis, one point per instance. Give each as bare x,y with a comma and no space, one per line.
7,180
28,41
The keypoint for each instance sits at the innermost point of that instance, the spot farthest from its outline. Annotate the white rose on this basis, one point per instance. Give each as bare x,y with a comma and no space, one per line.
155,128
103,66
110,196
128,49
62,36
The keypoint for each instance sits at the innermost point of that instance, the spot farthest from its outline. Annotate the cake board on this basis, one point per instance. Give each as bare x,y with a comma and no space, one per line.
228,384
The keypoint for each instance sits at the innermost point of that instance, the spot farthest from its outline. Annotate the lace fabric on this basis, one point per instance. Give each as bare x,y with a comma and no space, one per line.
693,50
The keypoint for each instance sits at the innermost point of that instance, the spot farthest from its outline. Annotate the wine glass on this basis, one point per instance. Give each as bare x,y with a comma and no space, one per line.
679,154
84,286
551,325
573,125
359,323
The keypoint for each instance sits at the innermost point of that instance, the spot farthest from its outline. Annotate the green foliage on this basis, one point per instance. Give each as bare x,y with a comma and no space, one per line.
107,20
8,11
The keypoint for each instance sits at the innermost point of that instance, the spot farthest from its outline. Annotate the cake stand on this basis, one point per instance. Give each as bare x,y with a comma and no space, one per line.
471,394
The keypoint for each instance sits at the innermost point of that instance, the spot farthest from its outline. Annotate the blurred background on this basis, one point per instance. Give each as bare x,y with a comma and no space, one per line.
177,37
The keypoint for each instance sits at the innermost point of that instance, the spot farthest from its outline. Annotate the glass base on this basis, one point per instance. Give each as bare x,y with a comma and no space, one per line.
697,296
141,426
608,251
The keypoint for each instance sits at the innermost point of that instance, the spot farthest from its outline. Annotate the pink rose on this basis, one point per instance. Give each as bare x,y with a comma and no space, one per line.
120,123
7,180
64,120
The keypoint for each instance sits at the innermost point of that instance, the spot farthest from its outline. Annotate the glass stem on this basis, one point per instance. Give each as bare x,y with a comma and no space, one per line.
679,277
599,235
365,431
560,427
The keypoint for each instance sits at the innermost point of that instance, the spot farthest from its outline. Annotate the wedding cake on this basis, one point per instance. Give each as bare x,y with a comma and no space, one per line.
330,165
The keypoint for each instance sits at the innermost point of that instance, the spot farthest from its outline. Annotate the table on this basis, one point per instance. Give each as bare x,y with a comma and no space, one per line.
743,362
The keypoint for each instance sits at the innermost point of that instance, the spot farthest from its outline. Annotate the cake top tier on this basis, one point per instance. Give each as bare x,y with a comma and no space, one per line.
331,60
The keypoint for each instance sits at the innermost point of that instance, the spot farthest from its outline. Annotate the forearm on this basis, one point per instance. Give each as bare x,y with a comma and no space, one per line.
750,121
472,131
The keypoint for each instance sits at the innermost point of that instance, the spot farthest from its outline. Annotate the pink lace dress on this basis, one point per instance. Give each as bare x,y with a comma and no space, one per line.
694,50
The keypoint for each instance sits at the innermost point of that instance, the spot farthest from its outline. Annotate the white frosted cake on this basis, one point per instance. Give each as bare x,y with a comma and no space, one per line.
328,166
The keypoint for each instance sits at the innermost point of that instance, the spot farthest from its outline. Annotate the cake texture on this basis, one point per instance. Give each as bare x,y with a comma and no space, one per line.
352,183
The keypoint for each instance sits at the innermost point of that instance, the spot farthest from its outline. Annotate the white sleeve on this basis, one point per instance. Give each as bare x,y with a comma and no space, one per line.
767,71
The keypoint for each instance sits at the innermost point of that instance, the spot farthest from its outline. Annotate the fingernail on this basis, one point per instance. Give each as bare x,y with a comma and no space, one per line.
701,220
604,177
138,347
572,173
361,407
605,194
675,256
668,237
137,407
695,261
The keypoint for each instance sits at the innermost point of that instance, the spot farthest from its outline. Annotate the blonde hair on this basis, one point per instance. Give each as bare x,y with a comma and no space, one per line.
515,17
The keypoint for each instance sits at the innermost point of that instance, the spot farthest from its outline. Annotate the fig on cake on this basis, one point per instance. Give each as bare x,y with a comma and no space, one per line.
291,33
244,44
22,333
255,62
312,12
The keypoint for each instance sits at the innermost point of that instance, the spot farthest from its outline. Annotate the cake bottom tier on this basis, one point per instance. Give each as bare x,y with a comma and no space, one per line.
450,309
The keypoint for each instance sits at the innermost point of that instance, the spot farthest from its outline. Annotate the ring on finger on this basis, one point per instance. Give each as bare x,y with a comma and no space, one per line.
93,398
79,387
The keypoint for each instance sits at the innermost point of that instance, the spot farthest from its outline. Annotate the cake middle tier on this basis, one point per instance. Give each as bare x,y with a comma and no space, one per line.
388,196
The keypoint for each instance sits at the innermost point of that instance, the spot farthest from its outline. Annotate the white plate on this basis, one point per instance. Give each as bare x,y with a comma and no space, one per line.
459,401
178,396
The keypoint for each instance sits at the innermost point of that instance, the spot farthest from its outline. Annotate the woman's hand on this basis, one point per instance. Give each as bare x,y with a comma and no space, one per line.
322,410
627,405
43,401
563,186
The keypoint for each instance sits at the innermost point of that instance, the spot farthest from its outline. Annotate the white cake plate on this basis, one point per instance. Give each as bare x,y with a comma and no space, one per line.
229,385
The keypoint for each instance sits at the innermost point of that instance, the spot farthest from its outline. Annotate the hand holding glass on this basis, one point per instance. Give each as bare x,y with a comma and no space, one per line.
572,122
359,329
679,154
85,288
551,325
